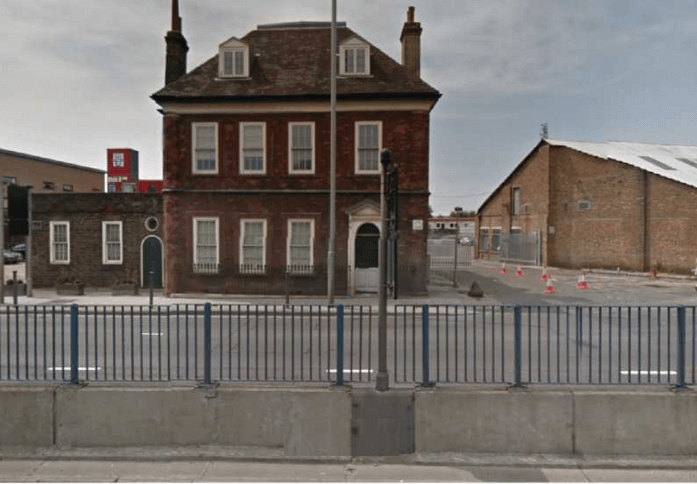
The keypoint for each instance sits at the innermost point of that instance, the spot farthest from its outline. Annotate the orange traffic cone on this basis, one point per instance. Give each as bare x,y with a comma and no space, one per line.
503,269
545,274
582,284
519,272
550,288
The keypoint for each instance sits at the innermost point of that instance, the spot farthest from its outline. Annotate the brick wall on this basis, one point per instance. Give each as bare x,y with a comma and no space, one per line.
277,209
405,133
86,212
531,177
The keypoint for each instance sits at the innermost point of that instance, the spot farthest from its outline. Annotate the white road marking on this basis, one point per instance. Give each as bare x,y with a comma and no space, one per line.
333,370
80,368
153,334
648,372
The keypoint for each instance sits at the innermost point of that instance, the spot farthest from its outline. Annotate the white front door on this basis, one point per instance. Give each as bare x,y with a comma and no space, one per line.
366,258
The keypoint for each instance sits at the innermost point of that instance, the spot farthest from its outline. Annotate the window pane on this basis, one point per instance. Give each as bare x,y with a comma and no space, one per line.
253,137
227,63
360,60
60,233
348,60
239,63
205,137
112,233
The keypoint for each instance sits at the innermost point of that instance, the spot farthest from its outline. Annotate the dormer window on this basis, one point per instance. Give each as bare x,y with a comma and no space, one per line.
233,60
354,58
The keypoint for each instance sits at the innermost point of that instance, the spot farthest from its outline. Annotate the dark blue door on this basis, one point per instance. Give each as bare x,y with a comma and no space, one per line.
152,262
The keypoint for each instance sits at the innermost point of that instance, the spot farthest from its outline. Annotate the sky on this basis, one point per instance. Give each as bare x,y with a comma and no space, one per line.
76,75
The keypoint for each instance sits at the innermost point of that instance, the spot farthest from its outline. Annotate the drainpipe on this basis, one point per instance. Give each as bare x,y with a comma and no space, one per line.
645,222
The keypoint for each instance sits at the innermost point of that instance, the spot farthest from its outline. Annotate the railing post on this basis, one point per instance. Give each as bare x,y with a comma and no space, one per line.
518,343
207,344
681,349
73,344
339,345
425,353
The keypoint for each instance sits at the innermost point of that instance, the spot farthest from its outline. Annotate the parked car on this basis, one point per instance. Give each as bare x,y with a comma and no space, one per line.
467,241
21,248
11,257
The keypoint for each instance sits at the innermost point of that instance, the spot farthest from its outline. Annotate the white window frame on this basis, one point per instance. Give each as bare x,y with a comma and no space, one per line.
515,201
291,170
243,228
356,147
52,247
263,150
233,46
105,252
294,269
354,44
216,222
194,165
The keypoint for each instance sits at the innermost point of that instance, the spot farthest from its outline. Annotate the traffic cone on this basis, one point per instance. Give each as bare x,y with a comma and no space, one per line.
582,284
519,272
545,275
503,269
550,288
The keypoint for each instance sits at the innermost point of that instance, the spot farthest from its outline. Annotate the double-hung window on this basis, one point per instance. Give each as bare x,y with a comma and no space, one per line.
354,58
206,253
368,143
112,245
60,242
252,246
300,240
204,148
301,153
233,62
252,148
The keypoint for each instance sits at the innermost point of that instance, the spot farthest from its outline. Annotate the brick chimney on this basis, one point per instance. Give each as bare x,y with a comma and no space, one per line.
411,46
175,63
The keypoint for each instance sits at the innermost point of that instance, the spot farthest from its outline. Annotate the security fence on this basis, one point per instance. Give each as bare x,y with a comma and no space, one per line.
427,344
521,248
449,253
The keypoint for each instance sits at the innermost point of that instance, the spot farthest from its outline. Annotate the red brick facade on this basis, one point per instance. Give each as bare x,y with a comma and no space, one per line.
597,213
292,88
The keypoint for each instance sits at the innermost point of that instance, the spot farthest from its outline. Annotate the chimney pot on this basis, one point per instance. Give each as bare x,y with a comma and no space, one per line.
410,15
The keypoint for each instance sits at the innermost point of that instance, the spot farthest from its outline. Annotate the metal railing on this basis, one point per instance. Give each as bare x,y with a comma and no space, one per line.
427,344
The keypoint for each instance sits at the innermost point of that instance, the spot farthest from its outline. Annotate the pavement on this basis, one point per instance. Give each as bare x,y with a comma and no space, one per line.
208,464
605,288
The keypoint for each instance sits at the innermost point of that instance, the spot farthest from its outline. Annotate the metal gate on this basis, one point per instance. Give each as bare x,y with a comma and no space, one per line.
521,248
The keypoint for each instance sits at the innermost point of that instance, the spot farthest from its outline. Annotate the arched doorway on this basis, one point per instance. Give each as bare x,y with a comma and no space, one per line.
366,257
151,259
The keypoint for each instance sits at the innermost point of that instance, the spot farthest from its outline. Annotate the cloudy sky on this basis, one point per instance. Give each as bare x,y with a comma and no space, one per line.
76,75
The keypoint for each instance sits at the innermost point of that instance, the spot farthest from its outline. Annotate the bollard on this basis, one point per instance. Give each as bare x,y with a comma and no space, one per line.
151,284
518,343
425,353
207,344
73,344
339,345
287,286
14,287
681,349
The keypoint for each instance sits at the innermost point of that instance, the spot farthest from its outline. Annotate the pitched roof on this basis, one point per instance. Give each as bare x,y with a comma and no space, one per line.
293,60
48,160
677,163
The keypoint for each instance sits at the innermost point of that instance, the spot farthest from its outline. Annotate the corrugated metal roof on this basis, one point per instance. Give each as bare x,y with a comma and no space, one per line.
674,162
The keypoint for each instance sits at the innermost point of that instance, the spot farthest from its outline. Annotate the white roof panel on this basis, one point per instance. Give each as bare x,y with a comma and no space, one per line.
675,162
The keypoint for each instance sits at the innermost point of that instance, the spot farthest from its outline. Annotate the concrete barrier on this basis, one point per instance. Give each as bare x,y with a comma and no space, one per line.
317,421
26,416
302,421
472,420
650,422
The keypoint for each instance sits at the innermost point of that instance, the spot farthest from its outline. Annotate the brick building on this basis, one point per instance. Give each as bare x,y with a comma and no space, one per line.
246,159
599,205
97,238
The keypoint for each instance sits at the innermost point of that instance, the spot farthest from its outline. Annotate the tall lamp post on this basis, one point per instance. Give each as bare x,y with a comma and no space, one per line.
382,382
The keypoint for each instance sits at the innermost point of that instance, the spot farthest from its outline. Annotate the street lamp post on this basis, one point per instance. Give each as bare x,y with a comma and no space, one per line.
382,381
